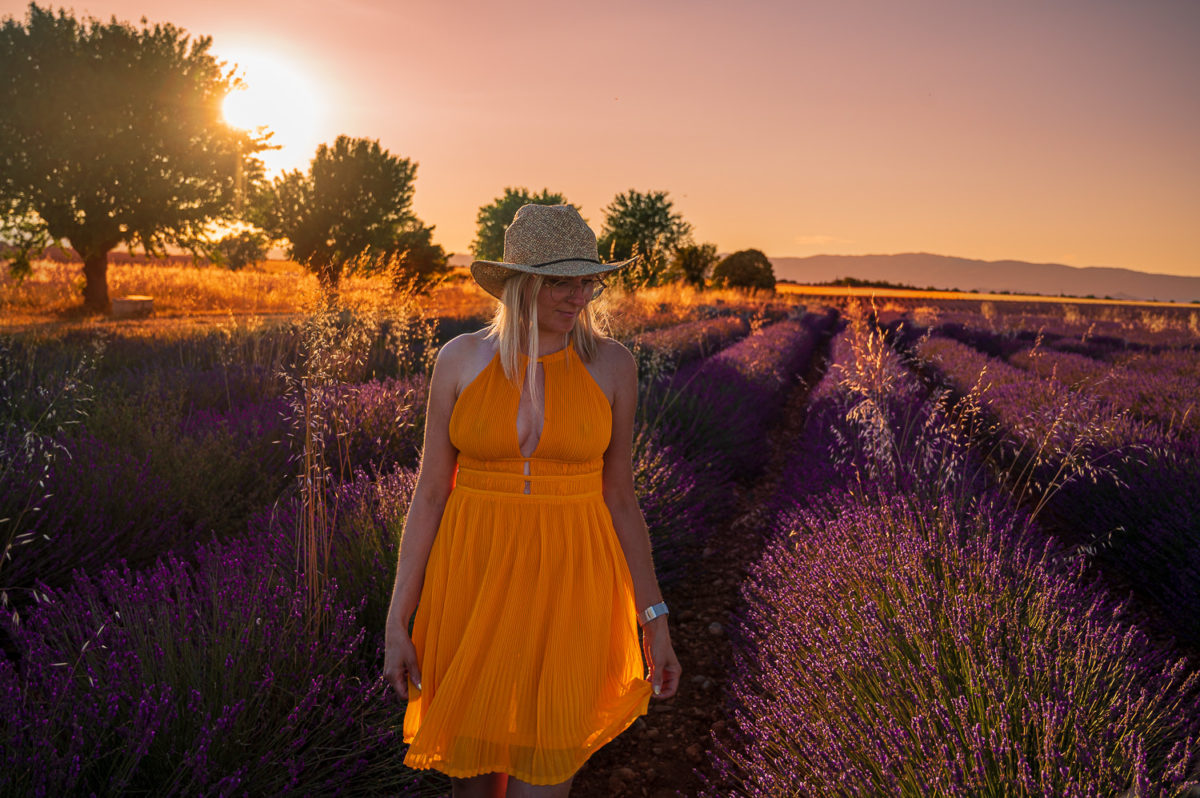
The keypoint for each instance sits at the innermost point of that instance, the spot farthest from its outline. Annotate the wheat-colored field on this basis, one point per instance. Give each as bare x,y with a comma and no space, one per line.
199,295
839,291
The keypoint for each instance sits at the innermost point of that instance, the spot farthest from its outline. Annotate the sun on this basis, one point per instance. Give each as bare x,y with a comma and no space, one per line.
279,97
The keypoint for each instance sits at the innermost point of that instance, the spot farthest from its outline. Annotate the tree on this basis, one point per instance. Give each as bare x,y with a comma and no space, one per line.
692,263
645,225
238,250
113,135
352,211
416,261
492,220
747,268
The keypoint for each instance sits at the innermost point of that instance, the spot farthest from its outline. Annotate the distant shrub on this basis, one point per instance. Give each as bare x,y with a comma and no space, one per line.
239,250
747,268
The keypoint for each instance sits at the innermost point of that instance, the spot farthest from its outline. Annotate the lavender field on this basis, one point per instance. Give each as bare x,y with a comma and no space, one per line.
978,571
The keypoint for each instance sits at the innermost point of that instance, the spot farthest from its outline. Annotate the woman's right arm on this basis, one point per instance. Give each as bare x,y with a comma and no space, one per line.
421,524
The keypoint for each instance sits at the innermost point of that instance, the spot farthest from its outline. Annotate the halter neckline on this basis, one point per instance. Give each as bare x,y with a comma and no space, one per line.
553,355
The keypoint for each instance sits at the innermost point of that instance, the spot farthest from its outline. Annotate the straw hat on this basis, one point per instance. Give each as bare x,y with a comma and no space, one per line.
551,240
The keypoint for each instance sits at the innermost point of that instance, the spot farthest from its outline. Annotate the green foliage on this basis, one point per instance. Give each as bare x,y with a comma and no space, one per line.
113,134
239,250
645,225
692,263
22,236
352,211
416,261
493,219
854,282
747,268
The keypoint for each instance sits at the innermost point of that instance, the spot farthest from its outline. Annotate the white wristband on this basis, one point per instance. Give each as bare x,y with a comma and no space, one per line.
650,613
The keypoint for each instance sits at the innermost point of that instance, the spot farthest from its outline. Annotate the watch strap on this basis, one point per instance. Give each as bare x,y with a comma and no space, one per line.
652,612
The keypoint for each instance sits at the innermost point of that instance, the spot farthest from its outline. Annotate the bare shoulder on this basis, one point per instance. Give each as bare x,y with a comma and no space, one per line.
613,367
463,358
612,354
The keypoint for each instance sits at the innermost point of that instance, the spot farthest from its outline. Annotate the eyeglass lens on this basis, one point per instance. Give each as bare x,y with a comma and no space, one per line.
588,289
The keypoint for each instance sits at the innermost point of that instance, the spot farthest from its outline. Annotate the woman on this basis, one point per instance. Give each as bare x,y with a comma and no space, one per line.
524,552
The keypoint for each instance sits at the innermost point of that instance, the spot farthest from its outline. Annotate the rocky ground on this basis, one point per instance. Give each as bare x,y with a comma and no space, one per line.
665,753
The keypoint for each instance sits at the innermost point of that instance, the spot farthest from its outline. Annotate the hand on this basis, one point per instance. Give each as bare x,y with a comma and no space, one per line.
400,662
660,656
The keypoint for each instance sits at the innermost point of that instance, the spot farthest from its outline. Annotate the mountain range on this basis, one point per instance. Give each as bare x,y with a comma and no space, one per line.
924,270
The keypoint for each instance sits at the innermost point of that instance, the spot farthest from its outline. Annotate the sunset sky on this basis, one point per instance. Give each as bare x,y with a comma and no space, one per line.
1046,131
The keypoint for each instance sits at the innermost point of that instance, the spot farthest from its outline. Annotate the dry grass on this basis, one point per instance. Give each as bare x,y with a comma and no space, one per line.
190,295
53,293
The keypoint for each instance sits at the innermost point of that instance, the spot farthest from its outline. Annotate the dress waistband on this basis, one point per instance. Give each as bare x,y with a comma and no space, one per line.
530,485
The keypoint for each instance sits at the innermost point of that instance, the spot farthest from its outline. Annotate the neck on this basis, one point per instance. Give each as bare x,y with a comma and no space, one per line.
551,342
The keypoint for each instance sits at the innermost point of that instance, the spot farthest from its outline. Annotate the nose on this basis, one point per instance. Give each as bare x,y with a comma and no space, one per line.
576,293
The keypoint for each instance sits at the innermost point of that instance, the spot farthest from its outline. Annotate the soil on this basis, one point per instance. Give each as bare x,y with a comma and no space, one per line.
666,752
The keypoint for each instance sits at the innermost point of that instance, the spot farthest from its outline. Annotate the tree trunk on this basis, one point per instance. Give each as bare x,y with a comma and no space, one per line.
95,287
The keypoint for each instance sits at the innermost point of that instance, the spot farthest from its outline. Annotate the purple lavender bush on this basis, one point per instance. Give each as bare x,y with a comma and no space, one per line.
1154,394
872,424
367,517
380,423
674,502
215,466
691,340
1175,362
1106,482
200,678
716,412
893,648
102,505
907,633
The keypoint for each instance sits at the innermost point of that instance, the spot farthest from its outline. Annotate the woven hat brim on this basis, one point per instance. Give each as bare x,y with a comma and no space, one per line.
491,275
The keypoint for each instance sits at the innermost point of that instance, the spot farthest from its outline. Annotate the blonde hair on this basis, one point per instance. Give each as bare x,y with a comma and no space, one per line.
515,328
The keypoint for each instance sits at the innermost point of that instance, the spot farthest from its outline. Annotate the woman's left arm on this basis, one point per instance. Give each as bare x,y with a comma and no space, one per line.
630,525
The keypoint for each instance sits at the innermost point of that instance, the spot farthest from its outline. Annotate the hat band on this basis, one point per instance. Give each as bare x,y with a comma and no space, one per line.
552,262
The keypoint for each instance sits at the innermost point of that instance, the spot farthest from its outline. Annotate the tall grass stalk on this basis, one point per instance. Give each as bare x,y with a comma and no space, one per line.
337,347
36,411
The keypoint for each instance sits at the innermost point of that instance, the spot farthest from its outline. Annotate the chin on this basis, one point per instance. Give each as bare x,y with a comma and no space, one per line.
559,324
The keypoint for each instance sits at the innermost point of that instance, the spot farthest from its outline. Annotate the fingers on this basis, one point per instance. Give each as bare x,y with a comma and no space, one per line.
665,670
395,677
400,668
670,682
414,672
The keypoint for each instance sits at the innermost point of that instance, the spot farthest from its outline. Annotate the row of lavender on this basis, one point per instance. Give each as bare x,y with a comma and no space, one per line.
1108,452
1156,383
183,659
911,631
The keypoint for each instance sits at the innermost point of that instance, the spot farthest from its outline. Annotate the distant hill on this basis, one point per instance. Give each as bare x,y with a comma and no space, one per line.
941,271
924,270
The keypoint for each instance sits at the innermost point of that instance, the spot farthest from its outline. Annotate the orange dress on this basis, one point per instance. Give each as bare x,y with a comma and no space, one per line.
525,629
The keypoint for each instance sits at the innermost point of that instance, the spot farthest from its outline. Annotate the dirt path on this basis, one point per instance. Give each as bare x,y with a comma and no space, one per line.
661,754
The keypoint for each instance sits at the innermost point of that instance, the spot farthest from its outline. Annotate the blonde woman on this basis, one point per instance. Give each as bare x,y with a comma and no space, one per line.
525,555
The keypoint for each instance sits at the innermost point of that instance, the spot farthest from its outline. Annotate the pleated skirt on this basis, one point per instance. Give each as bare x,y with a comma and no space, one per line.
526,639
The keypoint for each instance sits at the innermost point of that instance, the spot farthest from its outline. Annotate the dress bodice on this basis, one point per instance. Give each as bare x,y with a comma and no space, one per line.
576,430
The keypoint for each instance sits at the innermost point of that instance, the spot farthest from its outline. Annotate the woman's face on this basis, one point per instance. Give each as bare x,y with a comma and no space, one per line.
560,301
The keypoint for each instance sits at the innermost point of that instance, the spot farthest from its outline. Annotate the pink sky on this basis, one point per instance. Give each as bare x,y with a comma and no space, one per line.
1060,131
